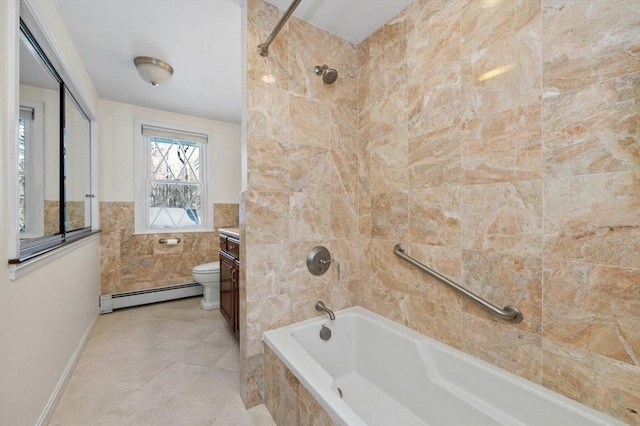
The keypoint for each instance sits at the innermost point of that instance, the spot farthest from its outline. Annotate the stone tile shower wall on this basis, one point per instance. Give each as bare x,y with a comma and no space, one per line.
524,187
131,262
302,162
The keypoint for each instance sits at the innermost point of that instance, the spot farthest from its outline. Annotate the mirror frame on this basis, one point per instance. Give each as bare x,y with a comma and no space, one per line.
39,18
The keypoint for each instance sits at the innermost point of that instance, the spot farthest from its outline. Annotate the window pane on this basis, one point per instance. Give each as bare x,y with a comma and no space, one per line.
173,182
174,205
22,223
174,160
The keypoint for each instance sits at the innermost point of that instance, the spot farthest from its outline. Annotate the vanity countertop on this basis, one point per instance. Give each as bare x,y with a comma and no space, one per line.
230,232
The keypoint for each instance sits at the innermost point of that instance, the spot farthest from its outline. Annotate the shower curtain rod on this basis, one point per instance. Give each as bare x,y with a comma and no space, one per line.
263,49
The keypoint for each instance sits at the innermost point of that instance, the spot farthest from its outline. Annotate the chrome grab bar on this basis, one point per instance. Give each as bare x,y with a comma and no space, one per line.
508,313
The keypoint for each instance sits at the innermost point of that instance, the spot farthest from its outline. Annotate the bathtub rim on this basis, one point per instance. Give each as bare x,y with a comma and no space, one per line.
318,381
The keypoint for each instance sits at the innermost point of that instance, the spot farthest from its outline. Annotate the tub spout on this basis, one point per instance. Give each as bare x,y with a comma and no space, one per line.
320,307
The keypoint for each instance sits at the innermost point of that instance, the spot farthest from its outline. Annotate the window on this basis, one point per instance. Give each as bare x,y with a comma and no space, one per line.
171,179
30,168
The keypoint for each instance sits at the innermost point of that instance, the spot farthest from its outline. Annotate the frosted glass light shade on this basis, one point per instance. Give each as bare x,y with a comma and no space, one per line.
153,70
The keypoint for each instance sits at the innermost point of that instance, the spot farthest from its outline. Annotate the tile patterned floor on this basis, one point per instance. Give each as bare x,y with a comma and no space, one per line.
164,364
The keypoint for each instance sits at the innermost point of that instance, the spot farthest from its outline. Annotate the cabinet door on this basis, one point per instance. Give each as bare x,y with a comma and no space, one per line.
236,298
226,287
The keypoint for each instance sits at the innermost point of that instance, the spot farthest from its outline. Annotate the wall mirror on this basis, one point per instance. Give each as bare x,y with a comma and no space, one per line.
77,157
54,158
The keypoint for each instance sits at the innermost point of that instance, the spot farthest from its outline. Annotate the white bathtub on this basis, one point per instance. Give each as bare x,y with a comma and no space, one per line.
391,375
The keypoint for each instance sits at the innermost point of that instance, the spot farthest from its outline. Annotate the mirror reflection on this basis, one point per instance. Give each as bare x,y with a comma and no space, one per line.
77,178
54,158
38,145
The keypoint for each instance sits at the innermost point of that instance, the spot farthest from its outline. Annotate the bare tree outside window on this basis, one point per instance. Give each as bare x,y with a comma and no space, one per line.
175,183
22,170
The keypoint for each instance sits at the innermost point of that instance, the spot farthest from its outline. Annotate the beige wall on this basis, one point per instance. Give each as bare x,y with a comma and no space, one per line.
302,158
523,187
45,313
134,262
43,318
131,262
117,155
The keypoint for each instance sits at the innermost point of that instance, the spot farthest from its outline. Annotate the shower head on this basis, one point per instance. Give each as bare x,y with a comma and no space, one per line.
329,75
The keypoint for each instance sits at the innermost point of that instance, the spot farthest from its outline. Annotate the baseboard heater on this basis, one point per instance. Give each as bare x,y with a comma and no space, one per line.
110,302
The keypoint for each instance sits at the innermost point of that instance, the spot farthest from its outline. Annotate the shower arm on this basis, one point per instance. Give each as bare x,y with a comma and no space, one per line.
263,49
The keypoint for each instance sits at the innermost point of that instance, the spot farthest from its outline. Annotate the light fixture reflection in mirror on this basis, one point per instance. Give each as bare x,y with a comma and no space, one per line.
495,72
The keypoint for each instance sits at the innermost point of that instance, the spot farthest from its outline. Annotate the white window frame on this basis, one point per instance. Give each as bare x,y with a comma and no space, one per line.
142,157
34,167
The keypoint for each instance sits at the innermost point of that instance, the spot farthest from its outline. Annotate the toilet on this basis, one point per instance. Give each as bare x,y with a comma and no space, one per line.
208,274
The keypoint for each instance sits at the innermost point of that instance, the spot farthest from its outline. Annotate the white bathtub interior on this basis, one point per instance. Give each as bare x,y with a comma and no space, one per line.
389,374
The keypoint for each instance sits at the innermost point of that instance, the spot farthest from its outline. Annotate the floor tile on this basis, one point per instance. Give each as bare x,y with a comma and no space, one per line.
187,412
165,327
234,414
137,344
197,331
163,364
230,360
218,385
176,378
106,340
89,353
141,408
261,418
205,353
222,334
84,402
171,349
260,415
119,370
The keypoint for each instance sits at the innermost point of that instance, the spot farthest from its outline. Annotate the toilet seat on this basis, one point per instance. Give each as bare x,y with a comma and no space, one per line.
207,267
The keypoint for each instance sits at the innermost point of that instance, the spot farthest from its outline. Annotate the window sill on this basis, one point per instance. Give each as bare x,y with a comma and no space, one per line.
21,267
172,231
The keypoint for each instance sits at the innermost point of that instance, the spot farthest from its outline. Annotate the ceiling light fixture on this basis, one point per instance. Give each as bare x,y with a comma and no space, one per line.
153,70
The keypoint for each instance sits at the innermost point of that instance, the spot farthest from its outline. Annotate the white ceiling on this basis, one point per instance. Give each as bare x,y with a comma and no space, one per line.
199,38
352,20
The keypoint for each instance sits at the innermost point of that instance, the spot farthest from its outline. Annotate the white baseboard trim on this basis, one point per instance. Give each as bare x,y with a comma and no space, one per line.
58,391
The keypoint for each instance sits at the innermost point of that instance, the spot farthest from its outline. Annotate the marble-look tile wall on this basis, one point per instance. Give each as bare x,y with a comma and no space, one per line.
131,262
51,217
302,162
287,398
523,184
75,216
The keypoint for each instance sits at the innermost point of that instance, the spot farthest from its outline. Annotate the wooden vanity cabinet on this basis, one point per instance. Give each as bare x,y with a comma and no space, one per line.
230,281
